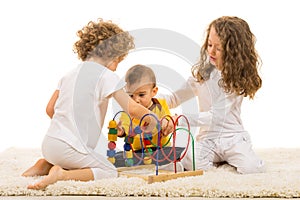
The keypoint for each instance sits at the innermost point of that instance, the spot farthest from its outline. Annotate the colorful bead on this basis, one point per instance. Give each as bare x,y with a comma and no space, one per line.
112,124
111,145
138,130
129,162
149,151
111,153
112,159
129,154
113,131
112,137
147,160
127,147
147,142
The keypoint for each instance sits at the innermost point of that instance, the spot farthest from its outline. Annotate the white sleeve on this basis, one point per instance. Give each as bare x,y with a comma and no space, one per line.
203,119
217,115
184,93
59,85
111,83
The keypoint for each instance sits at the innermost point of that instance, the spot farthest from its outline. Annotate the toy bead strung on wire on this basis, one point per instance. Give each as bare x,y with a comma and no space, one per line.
112,138
146,143
128,141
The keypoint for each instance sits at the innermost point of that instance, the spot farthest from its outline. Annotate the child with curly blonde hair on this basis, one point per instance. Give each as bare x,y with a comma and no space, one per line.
226,72
78,107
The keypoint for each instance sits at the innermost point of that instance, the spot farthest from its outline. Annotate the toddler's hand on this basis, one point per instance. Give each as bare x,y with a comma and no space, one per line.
121,131
167,127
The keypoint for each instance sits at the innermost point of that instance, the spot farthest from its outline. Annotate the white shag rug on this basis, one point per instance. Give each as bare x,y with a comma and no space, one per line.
282,179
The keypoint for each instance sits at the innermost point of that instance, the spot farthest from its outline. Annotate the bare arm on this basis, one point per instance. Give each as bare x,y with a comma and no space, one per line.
134,109
128,105
51,103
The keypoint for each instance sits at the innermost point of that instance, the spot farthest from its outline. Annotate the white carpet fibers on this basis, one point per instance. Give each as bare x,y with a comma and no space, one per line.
282,179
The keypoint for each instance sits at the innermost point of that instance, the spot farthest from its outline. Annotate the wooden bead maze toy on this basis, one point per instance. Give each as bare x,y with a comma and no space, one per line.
148,171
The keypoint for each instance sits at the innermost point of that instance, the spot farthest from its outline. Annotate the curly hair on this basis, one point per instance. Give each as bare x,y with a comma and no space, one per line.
240,60
103,39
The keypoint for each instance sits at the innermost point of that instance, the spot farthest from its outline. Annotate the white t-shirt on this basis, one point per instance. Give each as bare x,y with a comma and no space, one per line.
80,109
219,112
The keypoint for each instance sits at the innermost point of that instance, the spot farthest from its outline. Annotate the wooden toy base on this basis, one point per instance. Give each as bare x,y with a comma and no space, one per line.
147,172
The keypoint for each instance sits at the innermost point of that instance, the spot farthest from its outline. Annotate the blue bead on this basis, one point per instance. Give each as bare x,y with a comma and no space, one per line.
138,130
127,147
111,153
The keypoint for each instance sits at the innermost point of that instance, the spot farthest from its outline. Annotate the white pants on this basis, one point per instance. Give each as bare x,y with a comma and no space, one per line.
57,152
235,150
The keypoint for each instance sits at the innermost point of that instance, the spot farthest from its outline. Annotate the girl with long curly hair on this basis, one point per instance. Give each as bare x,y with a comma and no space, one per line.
226,72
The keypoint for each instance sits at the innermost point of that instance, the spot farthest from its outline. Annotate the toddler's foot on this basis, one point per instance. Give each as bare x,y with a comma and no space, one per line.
55,174
40,168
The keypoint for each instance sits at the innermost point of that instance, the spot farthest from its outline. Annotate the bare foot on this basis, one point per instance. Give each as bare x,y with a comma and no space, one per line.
40,168
55,174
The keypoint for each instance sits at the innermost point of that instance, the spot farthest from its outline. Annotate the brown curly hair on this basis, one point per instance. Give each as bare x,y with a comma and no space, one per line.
240,60
103,39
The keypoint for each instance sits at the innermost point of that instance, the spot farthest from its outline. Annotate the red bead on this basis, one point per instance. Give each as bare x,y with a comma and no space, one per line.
111,145
147,142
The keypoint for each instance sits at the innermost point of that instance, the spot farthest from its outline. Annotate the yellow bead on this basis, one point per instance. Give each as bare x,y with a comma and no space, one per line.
147,160
112,159
112,137
129,154
112,124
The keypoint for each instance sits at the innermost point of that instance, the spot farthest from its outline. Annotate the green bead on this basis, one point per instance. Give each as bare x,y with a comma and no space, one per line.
129,162
150,151
113,131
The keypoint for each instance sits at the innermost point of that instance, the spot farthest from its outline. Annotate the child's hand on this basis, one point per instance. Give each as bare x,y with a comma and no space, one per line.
121,131
167,127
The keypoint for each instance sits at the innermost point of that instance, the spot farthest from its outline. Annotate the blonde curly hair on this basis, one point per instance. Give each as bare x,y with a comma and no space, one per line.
240,60
103,39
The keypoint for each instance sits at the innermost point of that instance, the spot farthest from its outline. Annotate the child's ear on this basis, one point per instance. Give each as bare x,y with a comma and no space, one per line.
154,91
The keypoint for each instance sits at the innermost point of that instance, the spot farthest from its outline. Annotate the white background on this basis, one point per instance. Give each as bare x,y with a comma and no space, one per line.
36,50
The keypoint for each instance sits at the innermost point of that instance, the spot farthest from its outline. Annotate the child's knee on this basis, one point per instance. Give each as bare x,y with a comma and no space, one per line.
251,168
198,166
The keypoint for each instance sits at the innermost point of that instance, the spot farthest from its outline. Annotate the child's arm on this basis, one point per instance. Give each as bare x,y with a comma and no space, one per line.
134,109
130,106
188,90
51,103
